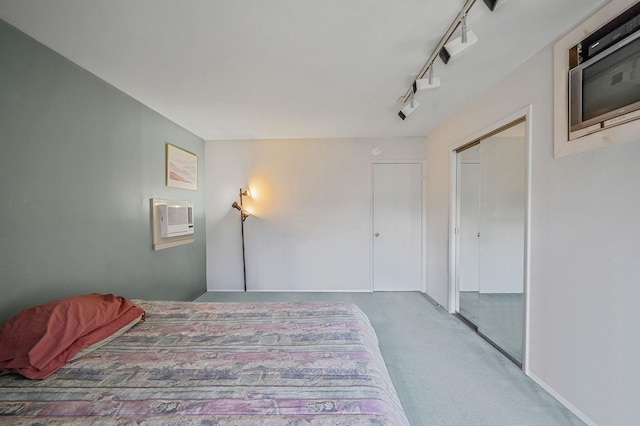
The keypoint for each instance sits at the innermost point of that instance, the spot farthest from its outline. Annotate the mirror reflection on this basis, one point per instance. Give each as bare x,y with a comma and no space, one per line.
469,229
491,222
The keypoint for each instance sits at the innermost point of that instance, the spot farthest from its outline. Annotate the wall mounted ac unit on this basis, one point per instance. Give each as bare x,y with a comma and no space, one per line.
175,220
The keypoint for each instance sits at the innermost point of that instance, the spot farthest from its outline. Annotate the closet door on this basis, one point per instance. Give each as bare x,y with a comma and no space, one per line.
502,240
491,237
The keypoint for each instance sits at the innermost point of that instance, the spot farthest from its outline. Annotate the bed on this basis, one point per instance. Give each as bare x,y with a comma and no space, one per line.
223,364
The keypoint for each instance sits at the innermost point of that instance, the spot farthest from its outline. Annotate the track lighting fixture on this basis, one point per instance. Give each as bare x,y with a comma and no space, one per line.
430,82
452,49
458,45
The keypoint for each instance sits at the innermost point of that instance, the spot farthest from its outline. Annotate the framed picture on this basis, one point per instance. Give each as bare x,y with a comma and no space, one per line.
182,168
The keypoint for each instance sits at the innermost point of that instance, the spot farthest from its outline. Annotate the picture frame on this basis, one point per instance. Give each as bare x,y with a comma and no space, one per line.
181,168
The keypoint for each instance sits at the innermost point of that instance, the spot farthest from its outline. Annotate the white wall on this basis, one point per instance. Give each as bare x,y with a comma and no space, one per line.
585,251
312,210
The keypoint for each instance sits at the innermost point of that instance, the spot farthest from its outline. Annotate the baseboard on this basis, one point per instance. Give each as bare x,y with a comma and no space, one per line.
561,399
310,291
198,296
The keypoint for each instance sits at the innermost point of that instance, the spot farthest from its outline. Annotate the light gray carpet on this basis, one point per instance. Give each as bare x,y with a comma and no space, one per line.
469,306
445,374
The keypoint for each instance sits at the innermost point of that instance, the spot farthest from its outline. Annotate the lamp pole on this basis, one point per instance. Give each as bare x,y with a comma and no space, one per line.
244,265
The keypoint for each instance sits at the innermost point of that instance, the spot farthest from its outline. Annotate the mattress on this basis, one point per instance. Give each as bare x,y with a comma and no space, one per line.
223,364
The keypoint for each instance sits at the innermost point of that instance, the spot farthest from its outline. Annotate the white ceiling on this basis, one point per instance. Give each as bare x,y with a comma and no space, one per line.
258,69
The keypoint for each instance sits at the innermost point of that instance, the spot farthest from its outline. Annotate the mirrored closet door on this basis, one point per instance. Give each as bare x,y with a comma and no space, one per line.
491,203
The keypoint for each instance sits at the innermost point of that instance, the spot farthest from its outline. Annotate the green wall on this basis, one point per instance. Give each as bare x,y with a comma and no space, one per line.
79,161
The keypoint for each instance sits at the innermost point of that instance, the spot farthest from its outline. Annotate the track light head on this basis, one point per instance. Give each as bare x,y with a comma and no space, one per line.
460,44
493,4
456,47
424,84
430,82
408,109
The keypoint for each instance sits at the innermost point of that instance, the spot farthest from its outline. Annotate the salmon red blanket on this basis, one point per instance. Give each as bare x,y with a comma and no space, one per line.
41,339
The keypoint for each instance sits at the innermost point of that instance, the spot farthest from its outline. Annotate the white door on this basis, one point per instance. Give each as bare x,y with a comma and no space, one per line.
397,227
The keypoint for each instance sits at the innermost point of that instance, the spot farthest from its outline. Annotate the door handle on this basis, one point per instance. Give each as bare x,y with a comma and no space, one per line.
478,234
377,234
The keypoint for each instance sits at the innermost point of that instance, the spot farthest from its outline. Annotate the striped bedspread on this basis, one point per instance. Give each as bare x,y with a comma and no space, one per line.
223,364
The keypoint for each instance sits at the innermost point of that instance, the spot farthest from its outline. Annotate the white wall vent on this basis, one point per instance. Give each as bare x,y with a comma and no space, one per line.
175,220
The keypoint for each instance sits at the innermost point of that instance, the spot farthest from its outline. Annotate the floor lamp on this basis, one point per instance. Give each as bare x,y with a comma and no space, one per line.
243,216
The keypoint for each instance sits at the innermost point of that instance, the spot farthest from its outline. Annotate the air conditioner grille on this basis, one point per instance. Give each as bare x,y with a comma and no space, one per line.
179,215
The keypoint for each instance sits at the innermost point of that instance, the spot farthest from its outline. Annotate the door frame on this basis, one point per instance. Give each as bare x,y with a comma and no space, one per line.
423,221
527,114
